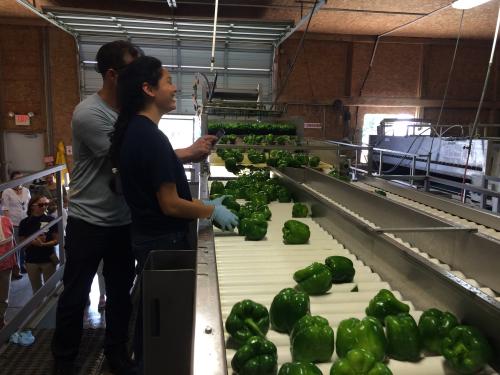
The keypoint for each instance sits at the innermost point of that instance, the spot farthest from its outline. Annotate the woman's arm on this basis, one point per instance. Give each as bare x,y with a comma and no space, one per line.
35,242
172,205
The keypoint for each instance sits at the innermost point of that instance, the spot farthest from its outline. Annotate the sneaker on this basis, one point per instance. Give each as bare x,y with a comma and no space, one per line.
102,303
120,363
26,338
16,276
23,270
14,338
63,368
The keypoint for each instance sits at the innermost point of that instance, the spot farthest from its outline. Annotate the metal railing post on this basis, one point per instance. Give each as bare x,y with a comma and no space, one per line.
413,168
427,172
380,160
60,225
370,161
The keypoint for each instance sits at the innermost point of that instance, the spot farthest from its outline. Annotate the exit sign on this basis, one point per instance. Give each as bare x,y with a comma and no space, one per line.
22,120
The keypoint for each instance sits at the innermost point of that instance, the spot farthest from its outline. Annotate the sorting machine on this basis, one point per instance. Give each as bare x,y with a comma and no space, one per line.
427,260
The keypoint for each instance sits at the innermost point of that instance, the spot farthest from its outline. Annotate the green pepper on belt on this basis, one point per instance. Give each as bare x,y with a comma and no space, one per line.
466,349
314,161
434,325
314,279
288,306
312,339
367,334
385,303
284,195
359,362
217,187
342,269
295,232
299,210
231,203
247,319
403,337
255,229
299,368
257,357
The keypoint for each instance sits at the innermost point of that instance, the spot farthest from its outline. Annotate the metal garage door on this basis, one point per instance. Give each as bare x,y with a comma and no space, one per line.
243,60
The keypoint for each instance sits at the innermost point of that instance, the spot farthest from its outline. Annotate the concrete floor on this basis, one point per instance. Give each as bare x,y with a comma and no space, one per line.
20,293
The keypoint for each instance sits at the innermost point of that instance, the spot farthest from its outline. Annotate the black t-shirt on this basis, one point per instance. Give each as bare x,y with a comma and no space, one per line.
28,226
147,160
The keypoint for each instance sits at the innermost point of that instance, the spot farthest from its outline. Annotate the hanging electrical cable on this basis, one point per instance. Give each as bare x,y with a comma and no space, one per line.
480,106
449,79
214,37
299,48
374,52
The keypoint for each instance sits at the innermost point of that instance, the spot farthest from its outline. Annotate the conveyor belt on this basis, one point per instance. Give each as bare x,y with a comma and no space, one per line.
259,270
459,274
452,219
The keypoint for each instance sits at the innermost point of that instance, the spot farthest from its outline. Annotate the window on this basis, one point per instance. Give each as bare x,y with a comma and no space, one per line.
372,120
181,131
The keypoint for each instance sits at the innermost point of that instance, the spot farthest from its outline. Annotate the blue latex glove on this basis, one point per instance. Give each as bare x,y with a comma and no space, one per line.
214,202
225,218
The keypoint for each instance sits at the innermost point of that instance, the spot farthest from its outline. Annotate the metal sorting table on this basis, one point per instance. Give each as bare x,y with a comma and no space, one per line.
236,269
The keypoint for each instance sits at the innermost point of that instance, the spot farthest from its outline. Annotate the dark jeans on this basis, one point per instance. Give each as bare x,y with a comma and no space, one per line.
86,246
142,245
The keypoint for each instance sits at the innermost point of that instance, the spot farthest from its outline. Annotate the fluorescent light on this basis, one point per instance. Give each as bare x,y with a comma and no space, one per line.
172,3
467,4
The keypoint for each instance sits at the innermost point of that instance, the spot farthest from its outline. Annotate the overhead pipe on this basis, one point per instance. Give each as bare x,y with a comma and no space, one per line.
212,59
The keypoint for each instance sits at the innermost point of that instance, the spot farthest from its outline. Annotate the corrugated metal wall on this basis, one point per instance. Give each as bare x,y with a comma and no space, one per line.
240,66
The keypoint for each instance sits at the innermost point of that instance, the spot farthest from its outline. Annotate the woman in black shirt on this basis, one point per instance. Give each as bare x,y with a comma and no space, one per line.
40,253
152,176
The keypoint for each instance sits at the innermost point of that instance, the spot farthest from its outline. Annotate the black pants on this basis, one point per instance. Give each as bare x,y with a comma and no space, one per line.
86,245
142,245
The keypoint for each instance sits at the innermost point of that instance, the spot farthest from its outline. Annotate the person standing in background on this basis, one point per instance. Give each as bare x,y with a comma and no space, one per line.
6,265
15,206
41,257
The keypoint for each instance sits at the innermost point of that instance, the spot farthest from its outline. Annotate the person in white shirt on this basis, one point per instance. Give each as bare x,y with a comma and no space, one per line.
15,206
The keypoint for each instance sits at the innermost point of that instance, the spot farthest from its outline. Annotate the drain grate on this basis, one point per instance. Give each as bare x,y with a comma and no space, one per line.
37,359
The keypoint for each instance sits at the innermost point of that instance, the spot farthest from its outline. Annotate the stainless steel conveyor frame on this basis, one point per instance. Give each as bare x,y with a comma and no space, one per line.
418,279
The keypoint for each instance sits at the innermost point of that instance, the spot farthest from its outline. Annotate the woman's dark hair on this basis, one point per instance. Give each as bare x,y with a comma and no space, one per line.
111,55
132,98
33,200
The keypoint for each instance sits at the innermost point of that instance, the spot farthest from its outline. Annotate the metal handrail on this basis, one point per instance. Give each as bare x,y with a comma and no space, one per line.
31,307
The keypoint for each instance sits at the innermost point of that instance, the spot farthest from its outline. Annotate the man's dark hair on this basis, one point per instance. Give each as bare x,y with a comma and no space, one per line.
111,55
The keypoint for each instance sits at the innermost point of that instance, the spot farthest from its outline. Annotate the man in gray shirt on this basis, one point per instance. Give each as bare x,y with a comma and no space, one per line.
99,222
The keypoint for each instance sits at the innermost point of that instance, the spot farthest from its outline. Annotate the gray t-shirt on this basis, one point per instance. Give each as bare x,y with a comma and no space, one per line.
91,198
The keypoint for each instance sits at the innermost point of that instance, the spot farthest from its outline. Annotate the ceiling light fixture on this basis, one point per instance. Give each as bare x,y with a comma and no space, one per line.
467,4
172,3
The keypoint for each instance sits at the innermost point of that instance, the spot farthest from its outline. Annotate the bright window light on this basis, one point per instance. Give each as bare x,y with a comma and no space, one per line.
467,4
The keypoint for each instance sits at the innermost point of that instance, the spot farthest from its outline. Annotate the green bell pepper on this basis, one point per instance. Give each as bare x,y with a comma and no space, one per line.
254,229
314,279
246,319
284,195
257,357
314,161
220,153
434,325
217,187
231,203
272,161
300,210
384,304
295,232
403,337
231,164
312,339
271,192
466,349
299,368
367,334
288,306
260,198
342,269
359,362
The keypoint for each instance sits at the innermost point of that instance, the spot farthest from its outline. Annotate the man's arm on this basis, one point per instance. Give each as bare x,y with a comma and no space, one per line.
198,151
92,128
